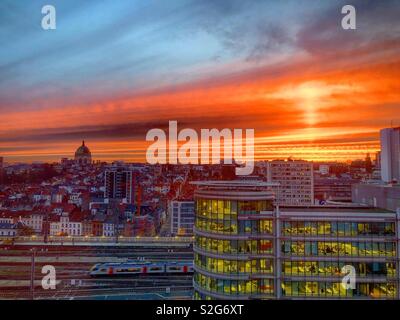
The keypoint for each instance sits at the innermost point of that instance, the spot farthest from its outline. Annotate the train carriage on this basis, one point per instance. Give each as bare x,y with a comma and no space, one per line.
179,267
140,268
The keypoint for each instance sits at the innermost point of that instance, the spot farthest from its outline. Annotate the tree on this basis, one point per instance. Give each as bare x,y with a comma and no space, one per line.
24,230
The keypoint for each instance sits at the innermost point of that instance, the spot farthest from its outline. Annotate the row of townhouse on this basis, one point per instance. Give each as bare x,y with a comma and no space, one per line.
77,224
31,219
7,227
68,220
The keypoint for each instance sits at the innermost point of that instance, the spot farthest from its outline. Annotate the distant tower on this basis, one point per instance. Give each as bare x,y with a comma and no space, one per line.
83,155
1,170
138,199
378,160
390,154
368,164
119,184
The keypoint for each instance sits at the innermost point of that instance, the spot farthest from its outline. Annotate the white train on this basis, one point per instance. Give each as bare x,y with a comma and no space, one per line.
141,268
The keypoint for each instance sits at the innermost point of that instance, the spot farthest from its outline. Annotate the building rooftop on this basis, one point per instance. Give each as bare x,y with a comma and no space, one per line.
6,225
242,190
379,184
235,183
336,209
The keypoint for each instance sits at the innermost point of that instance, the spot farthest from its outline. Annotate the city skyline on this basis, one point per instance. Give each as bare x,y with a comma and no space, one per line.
98,159
310,89
187,151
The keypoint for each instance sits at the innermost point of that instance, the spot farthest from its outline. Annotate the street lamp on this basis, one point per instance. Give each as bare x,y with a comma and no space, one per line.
33,273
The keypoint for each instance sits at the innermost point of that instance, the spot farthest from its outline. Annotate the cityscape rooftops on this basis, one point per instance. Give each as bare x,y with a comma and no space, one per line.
234,183
6,225
351,209
241,190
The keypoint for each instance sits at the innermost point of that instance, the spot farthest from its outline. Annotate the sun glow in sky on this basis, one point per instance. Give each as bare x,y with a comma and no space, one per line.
312,96
115,69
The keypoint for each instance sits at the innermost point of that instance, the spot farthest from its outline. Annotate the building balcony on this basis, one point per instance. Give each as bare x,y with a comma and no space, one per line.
222,296
231,236
231,256
288,257
234,275
338,278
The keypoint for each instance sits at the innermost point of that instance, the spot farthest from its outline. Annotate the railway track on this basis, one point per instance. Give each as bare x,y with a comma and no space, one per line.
72,272
68,292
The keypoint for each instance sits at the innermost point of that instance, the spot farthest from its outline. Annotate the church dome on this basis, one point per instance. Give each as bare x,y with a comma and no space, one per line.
82,154
82,150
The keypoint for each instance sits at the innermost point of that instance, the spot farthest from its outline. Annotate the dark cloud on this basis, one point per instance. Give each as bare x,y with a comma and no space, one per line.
137,130
270,38
377,21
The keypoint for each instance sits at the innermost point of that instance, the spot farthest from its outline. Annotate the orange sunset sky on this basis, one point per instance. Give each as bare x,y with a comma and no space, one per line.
112,71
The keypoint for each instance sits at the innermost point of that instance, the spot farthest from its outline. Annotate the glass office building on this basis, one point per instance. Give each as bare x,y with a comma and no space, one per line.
246,248
316,243
234,243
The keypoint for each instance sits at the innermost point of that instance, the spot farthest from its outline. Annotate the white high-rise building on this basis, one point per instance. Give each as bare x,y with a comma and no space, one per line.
182,217
296,181
390,154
